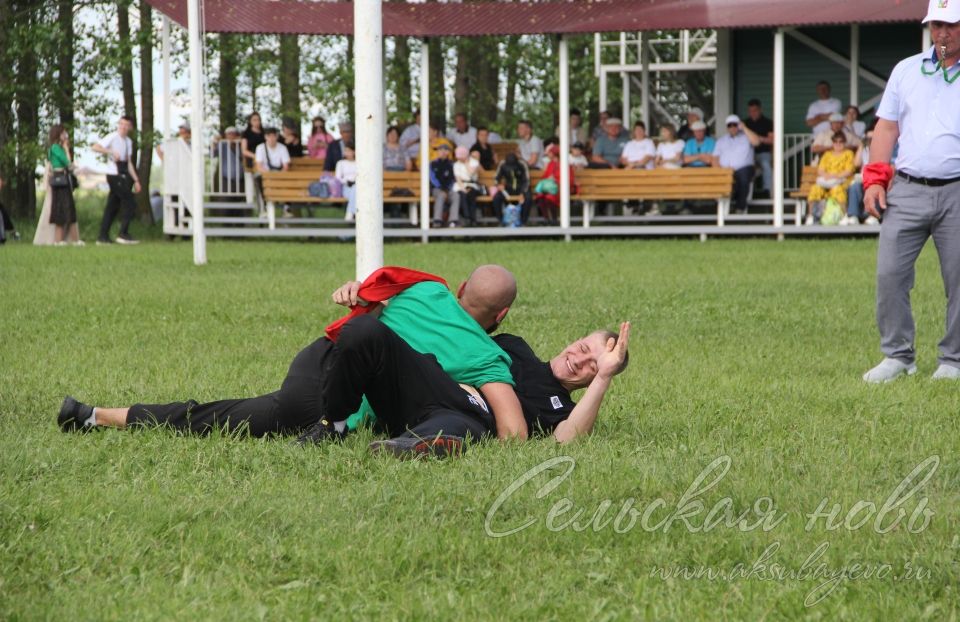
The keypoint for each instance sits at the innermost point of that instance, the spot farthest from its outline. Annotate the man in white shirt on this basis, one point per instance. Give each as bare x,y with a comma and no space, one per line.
735,150
410,138
462,134
529,145
823,141
272,155
118,148
818,113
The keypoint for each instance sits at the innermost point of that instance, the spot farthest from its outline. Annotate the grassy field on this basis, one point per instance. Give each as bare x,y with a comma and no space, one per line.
745,354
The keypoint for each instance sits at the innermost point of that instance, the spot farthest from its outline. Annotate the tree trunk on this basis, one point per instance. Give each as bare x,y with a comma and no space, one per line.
290,77
351,80
461,83
486,84
402,86
438,99
512,54
28,124
146,105
228,81
125,65
65,64
7,155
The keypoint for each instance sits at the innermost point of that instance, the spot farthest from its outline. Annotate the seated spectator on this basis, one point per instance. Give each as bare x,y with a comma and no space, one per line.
548,188
639,152
607,148
346,174
734,150
271,155
821,109
291,138
577,158
760,125
462,134
466,174
487,157
441,186
336,148
529,146
512,179
181,143
670,149
601,129
251,138
698,150
578,133
694,114
834,175
410,138
227,152
319,139
823,141
852,123
394,158
436,140
855,210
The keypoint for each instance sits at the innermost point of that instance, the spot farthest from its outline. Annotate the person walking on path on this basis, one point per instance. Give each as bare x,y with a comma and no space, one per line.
118,148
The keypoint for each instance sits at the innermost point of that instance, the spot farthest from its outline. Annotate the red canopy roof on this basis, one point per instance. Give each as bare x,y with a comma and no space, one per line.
473,18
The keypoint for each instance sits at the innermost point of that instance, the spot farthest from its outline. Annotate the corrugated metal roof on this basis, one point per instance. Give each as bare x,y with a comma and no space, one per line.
473,18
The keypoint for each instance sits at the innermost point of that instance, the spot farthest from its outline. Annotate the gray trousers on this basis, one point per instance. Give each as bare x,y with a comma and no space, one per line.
440,197
914,213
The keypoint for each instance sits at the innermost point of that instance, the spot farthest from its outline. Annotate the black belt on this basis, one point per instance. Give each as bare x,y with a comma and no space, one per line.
927,181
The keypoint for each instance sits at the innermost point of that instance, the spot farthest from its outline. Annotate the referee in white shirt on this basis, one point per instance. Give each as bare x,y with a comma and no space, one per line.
920,109
120,172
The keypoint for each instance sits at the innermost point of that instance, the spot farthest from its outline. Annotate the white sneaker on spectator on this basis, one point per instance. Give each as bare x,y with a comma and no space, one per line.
889,369
848,221
654,211
946,372
871,221
809,220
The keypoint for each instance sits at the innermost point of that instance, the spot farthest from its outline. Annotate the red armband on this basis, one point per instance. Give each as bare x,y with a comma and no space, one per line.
876,174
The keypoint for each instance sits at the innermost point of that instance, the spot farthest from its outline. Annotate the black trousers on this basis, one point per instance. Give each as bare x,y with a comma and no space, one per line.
120,197
742,178
409,391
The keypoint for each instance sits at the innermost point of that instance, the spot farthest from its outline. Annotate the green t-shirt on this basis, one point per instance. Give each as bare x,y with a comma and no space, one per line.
429,318
58,157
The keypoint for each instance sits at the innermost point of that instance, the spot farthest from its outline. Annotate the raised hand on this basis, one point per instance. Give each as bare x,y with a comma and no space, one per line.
610,363
347,296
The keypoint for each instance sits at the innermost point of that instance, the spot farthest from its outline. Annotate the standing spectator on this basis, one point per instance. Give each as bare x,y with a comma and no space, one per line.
852,123
291,138
548,188
529,146
698,150
182,140
63,211
512,179
251,138
760,125
319,139
577,159
578,133
607,148
819,111
441,187
639,152
410,138
694,114
834,175
462,134
488,157
823,141
7,224
394,158
670,149
919,112
734,150
272,155
466,175
227,151
118,148
346,174
335,149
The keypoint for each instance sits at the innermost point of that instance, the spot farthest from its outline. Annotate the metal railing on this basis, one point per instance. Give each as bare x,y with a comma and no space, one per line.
796,154
225,172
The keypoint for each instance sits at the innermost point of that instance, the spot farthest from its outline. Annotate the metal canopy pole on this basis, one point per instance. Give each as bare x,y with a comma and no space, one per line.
564,135
165,53
196,141
425,139
778,84
854,64
369,128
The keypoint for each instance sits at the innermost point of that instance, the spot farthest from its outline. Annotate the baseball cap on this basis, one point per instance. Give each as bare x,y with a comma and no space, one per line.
733,119
696,111
443,146
836,116
231,129
185,126
614,121
943,11
698,125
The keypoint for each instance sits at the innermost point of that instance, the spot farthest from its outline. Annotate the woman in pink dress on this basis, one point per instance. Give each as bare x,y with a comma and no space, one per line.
319,139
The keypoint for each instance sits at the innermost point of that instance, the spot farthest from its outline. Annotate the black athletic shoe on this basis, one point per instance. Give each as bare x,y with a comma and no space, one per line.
73,415
406,447
319,432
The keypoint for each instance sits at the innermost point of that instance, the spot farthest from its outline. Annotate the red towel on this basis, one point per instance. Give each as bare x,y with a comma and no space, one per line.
379,286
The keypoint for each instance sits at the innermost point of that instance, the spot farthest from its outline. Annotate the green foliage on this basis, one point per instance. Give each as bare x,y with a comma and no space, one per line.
739,349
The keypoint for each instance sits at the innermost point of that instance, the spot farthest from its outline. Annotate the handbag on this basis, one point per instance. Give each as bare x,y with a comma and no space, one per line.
60,178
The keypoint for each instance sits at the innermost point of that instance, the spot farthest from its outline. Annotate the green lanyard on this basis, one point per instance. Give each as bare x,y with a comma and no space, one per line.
936,68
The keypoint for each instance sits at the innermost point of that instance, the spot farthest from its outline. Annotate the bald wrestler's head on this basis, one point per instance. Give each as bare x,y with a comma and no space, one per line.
487,295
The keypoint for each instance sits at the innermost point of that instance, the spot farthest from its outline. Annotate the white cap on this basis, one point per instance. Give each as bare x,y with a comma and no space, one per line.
614,121
836,117
231,129
943,11
732,119
695,111
698,125
185,126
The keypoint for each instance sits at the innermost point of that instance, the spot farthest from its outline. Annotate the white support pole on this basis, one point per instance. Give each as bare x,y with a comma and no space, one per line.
196,142
603,90
596,54
625,81
425,139
778,99
564,135
723,81
854,64
165,52
369,129
645,81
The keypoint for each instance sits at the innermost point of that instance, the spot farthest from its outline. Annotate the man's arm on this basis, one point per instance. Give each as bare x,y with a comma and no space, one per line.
501,397
584,415
752,136
885,136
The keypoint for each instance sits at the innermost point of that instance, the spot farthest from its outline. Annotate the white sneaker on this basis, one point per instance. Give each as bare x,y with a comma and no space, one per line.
348,217
946,372
809,220
850,221
889,369
871,221
654,211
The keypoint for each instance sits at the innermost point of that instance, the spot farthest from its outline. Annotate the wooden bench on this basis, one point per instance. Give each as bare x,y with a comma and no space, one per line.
807,180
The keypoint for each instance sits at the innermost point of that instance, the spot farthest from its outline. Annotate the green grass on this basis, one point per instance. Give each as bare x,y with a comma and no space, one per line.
746,349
